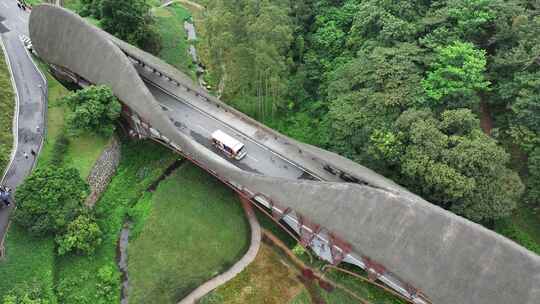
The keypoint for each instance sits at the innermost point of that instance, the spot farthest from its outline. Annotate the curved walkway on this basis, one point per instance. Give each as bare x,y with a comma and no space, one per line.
228,275
30,88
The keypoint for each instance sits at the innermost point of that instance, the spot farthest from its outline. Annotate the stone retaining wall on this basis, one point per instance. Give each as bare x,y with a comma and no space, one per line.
103,170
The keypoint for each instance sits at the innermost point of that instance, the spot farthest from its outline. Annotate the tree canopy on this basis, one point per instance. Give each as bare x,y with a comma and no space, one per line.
129,20
82,235
93,109
49,199
457,75
350,72
451,162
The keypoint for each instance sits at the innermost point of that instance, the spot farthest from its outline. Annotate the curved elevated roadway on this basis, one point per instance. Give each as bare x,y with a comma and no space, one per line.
343,211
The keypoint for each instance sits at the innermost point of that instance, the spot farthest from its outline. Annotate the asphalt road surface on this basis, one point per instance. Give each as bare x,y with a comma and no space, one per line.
32,101
200,126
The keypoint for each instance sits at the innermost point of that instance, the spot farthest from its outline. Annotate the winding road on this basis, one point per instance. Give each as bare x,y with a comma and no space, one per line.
31,97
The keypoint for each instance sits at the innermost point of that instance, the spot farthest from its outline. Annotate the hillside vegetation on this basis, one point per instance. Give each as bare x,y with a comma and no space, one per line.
195,229
7,109
441,96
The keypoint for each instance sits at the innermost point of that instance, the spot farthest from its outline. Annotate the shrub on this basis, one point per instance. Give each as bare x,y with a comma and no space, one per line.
59,149
49,199
298,250
108,284
66,286
27,293
82,236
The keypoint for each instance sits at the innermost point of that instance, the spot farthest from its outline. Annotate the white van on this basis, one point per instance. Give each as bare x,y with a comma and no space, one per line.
230,146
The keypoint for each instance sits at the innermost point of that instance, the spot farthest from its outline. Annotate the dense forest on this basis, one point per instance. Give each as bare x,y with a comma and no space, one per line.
441,96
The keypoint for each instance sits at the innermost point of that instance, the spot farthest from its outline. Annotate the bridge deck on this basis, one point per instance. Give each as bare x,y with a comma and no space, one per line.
199,126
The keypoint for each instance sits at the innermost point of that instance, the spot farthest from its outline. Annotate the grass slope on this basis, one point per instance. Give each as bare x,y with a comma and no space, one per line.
170,25
267,280
7,106
28,259
195,230
84,149
142,163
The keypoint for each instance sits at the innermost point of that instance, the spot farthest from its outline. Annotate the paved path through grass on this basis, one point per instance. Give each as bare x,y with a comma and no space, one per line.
195,230
228,275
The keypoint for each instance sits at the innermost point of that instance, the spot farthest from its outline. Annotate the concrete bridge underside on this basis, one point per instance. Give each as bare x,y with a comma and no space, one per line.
343,211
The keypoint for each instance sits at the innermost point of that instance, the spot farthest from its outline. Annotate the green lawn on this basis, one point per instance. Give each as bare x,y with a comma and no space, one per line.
195,230
7,106
83,152
32,259
84,149
141,164
267,280
28,259
170,24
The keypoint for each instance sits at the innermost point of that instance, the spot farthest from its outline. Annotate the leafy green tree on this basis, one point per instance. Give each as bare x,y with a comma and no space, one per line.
526,107
353,67
93,109
130,20
449,161
248,44
385,145
82,235
368,94
386,22
49,199
471,17
457,75
90,8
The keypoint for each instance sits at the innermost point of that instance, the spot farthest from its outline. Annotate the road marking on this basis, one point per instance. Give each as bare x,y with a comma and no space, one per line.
249,156
21,18
192,106
204,129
